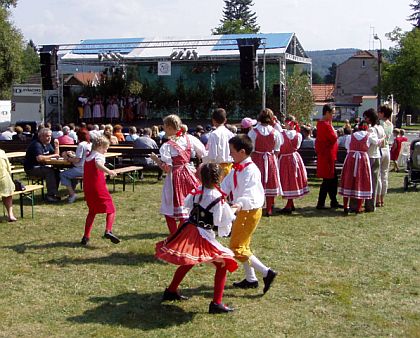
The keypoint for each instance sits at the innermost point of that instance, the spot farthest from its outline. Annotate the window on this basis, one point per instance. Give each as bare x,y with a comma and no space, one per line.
363,63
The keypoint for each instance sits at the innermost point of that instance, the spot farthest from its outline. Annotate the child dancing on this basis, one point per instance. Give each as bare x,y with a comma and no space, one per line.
243,185
174,159
97,196
194,242
356,179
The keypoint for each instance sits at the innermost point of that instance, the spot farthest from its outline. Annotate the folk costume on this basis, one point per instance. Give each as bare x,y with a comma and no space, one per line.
181,179
97,196
218,149
356,180
266,141
293,175
195,242
243,185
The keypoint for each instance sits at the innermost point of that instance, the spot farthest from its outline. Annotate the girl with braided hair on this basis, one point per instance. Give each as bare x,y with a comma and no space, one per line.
195,242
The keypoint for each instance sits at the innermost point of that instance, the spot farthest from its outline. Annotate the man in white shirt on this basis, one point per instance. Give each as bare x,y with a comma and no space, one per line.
243,185
218,143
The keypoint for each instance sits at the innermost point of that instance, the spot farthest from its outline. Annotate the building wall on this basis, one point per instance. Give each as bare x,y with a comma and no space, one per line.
356,76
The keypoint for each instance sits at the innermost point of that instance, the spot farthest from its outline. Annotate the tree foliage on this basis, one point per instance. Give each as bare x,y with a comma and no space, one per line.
11,48
30,61
237,18
415,17
8,3
332,72
299,101
402,78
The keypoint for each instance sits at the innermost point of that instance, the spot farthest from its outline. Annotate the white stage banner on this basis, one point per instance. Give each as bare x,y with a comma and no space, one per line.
164,68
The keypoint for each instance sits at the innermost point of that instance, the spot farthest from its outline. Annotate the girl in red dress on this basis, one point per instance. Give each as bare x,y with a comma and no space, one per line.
356,179
194,242
175,156
266,141
293,177
97,196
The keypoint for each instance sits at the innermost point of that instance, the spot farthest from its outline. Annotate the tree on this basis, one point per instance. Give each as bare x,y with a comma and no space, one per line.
237,18
30,61
402,78
299,98
8,3
332,72
415,17
11,47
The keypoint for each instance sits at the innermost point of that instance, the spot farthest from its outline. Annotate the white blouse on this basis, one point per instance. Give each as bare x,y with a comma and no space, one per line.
223,215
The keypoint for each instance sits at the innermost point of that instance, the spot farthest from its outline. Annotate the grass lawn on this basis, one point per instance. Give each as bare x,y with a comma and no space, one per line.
338,276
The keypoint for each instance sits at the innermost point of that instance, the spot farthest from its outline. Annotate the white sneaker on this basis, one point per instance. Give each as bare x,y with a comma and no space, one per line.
72,198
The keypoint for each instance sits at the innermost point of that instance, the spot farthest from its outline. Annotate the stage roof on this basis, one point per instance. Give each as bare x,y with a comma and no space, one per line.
208,48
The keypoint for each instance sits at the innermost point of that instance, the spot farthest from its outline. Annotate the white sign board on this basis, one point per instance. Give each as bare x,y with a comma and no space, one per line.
26,91
5,107
164,68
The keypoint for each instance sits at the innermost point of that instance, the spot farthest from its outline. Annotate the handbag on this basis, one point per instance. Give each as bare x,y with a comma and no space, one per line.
19,186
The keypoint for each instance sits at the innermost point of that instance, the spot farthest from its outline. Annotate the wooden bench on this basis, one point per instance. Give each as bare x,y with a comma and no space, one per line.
310,159
131,172
28,193
16,171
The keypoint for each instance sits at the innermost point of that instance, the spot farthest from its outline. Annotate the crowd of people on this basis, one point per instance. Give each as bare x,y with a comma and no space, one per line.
240,175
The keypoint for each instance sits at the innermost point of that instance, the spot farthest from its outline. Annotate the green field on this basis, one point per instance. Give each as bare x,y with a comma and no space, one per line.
338,276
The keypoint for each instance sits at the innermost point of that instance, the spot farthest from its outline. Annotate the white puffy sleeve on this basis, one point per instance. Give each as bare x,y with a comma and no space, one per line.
223,217
198,146
165,153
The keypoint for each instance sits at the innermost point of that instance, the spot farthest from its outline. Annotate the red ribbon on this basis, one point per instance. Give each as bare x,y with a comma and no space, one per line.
237,167
224,195
179,133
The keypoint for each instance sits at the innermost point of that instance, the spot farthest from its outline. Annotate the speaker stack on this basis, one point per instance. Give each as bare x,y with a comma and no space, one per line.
248,62
48,60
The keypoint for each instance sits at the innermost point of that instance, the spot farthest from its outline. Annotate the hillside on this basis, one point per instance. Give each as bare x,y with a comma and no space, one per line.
322,59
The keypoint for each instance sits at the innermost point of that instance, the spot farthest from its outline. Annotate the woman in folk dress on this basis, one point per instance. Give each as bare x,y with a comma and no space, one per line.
293,177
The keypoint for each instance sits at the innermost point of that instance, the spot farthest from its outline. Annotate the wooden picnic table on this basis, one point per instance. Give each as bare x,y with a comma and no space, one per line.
15,154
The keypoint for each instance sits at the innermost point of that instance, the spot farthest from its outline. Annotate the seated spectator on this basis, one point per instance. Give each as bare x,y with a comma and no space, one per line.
78,160
19,136
27,131
247,124
109,135
307,141
7,134
132,134
344,136
118,133
155,135
38,151
204,138
65,139
57,131
146,142
73,132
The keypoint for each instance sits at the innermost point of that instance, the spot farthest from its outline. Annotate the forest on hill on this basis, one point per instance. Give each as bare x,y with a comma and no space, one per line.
323,59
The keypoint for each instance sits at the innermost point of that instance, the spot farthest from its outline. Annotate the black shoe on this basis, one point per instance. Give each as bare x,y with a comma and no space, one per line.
52,199
346,211
337,206
321,207
84,241
244,284
268,280
293,208
170,296
114,239
219,308
285,211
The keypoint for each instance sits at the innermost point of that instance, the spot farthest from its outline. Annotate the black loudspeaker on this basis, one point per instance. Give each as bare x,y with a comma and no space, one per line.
276,90
48,60
248,67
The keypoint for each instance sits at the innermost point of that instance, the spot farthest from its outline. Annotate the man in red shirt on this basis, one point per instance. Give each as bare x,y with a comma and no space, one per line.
326,148
65,139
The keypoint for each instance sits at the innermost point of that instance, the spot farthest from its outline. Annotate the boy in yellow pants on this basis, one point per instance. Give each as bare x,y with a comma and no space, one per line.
243,185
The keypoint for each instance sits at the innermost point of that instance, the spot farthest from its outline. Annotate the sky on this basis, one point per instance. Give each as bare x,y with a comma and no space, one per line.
318,24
